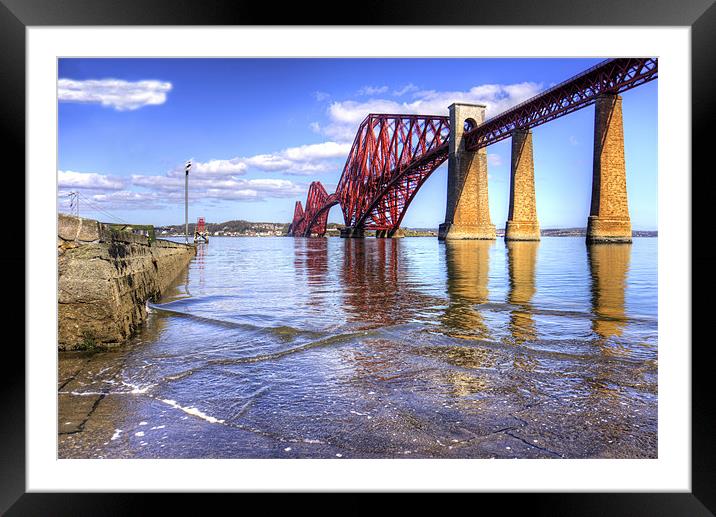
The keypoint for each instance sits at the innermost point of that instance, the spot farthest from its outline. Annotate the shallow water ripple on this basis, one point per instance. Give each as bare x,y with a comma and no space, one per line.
281,347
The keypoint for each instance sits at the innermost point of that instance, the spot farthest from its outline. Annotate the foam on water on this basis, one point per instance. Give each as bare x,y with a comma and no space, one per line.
193,411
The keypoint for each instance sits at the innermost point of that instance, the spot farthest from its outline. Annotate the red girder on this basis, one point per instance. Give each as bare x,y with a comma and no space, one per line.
393,155
315,217
386,166
610,76
316,223
297,218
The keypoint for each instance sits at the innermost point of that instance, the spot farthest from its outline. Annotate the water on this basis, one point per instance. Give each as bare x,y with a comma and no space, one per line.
380,348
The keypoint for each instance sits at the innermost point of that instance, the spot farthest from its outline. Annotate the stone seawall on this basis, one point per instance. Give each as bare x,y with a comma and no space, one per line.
106,277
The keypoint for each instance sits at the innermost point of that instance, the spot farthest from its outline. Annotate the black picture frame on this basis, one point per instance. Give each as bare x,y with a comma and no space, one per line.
700,15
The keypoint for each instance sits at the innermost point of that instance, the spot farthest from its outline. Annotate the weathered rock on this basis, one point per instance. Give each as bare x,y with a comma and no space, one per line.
78,229
106,278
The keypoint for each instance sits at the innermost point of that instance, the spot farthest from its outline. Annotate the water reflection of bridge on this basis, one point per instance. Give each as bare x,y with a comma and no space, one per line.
608,266
468,273
522,259
374,291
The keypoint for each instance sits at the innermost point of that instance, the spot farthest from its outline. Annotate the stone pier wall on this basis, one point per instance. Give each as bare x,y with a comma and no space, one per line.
467,213
609,215
522,224
105,279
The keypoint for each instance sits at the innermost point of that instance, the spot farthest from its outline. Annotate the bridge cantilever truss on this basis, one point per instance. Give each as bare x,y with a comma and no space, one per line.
393,155
315,217
297,218
610,76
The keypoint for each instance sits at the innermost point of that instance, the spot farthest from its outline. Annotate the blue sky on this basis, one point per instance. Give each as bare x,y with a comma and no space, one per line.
260,130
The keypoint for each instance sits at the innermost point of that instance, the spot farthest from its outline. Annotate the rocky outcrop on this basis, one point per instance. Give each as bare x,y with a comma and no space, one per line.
105,279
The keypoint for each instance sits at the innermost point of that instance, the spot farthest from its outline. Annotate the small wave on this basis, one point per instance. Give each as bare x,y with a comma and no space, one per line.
246,404
193,300
178,376
332,340
280,331
136,389
89,393
191,410
587,351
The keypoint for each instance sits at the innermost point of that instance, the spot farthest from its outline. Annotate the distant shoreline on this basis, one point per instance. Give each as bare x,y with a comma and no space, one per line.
241,228
433,233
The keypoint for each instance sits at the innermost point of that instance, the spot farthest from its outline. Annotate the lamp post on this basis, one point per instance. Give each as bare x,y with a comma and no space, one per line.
186,201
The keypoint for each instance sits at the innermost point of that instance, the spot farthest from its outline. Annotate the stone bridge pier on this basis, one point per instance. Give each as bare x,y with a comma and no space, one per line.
609,215
467,215
522,224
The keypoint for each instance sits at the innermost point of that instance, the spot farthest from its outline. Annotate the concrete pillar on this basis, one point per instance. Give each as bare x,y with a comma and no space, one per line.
609,216
467,215
522,224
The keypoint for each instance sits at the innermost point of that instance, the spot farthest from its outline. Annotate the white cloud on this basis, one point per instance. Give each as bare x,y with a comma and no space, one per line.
304,159
321,96
215,179
231,167
125,196
117,200
353,112
317,151
116,93
155,191
341,132
268,162
405,89
220,178
372,90
88,181
252,189
172,187
158,182
275,187
240,194
344,116
573,140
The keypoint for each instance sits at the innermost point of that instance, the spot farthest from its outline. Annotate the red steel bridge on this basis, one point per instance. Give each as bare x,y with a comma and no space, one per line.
393,155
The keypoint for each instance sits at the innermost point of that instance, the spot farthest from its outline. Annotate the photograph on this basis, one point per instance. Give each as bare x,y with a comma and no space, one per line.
357,258
433,248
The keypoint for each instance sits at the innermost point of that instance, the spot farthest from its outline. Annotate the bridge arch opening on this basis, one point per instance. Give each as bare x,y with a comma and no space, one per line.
317,225
469,124
334,216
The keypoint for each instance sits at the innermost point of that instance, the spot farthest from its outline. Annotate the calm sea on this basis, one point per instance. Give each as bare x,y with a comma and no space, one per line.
382,348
